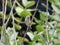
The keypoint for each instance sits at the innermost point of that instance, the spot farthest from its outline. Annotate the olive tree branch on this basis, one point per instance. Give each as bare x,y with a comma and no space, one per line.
47,22
3,32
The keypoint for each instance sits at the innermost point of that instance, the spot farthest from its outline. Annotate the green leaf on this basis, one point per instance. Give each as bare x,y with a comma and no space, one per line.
57,27
37,38
0,28
56,18
17,20
7,16
19,10
57,43
39,28
51,1
56,9
8,4
18,27
0,14
25,13
30,3
42,16
19,42
31,36
30,43
24,2
38,21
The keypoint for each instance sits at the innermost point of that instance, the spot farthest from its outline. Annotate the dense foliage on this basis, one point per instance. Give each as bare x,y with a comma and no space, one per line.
9,35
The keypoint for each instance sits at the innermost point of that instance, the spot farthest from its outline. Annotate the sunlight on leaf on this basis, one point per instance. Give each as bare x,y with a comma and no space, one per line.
28,3
19,10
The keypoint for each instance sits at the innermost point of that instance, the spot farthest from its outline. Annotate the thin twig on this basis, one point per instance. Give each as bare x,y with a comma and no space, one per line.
5,6
47,22
24,35
46,6
12,14
35,10
3,15
3,32
11,11
6,40
12,18
10,3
